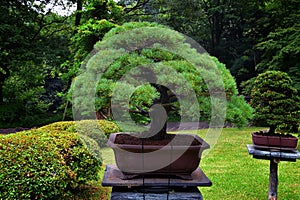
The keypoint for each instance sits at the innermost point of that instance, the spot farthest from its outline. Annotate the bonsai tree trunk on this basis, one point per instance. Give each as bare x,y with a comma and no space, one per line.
272,129
158,123
158,114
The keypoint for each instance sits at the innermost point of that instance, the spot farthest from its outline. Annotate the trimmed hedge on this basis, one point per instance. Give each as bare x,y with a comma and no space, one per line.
98,130
44,165
52,161
107,127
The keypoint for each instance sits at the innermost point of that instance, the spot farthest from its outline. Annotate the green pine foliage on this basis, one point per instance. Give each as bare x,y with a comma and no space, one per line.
276,102
148,48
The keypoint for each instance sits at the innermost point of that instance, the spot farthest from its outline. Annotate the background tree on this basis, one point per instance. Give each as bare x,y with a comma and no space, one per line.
97,18
33,45
280,48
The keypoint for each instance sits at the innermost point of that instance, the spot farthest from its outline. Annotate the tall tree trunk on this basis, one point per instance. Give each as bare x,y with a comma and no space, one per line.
4,74
1,92
78,13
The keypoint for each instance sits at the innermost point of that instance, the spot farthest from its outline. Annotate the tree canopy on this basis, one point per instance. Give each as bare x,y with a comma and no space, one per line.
142,64
33,45
42,48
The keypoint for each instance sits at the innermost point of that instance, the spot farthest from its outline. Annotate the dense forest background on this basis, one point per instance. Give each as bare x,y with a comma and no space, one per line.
44,42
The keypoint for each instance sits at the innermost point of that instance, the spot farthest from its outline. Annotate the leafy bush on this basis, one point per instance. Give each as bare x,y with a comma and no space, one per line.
60,126
40,164
107,127
98,130
276,102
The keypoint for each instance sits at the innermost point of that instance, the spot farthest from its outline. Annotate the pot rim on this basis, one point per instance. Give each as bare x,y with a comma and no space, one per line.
274,136
204,145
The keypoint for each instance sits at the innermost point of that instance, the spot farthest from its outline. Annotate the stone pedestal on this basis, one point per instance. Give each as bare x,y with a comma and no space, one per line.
155,194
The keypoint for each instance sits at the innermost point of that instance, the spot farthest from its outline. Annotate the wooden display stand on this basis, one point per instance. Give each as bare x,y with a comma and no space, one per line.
275,155
154,188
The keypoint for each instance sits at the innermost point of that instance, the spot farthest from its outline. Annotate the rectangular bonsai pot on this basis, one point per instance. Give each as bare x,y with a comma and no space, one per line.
274,141
158,159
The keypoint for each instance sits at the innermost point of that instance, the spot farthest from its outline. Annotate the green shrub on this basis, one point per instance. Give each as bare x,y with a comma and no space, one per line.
41,164
91,129
98,130
60,126
107,127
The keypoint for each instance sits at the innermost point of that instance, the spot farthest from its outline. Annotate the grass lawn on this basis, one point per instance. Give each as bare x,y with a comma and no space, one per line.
234,173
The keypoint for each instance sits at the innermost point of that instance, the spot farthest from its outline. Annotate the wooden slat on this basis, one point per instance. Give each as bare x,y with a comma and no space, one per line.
113,177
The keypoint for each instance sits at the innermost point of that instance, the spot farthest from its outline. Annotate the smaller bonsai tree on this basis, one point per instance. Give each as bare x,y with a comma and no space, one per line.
276,102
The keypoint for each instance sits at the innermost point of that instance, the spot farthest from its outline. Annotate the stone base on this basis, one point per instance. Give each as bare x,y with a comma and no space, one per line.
148,193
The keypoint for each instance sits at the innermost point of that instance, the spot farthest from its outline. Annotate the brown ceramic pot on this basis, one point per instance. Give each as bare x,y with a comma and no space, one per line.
171,159
274,141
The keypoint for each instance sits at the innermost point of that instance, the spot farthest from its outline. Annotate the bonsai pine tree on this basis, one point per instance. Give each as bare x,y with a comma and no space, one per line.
165,64
276,102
